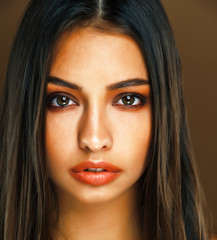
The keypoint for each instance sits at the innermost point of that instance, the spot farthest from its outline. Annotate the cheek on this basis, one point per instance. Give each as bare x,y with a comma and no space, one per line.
60,140
133,135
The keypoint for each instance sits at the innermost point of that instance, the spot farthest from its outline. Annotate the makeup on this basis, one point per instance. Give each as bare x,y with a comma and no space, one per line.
95,173
99,110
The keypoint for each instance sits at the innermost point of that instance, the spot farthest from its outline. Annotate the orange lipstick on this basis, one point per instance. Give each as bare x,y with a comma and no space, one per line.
95,173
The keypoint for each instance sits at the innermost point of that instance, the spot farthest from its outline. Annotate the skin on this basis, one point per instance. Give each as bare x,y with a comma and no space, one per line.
96,124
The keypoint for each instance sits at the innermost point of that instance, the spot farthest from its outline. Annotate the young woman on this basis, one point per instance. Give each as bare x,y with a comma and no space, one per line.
94,140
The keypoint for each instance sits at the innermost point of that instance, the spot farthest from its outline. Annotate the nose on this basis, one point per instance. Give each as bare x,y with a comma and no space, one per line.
94,134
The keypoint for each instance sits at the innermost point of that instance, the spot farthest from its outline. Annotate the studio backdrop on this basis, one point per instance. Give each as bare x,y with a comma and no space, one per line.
194,23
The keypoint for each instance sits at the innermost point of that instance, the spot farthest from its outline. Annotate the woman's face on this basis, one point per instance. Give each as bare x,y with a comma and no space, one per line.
97,120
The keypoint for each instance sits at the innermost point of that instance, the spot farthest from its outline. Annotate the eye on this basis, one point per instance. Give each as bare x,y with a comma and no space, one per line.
58,100
132,100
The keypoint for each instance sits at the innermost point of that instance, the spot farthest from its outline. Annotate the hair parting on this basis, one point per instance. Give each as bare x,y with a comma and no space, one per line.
169,197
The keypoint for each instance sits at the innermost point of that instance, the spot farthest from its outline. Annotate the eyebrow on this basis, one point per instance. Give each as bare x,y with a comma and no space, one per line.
113,86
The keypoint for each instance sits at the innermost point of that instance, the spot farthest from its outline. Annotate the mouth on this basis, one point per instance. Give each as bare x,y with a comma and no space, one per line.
90,166
96,170
95,173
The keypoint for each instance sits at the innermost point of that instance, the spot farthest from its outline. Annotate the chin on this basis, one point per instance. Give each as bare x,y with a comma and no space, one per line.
95,195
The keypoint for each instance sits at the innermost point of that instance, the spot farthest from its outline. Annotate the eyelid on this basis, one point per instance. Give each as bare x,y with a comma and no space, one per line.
142,98
54,95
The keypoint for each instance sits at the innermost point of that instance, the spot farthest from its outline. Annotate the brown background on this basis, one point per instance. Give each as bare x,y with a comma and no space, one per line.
195,27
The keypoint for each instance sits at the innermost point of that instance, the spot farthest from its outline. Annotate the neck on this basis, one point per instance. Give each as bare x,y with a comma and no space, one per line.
116,219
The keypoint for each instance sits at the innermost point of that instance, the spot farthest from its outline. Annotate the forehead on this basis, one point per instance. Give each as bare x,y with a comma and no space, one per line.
99,55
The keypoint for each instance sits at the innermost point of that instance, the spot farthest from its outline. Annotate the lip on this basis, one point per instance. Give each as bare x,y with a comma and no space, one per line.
99,178
89,164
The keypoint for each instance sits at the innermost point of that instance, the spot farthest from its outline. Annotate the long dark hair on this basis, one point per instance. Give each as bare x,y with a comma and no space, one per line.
169,197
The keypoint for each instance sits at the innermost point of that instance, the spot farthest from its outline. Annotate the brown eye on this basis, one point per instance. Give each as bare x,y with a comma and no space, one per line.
131,100
128,100
62,101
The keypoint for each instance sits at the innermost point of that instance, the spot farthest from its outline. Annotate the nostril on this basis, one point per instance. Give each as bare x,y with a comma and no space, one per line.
94,147
93,142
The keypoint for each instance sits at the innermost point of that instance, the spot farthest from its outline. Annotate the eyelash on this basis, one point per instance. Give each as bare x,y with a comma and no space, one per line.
55,96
